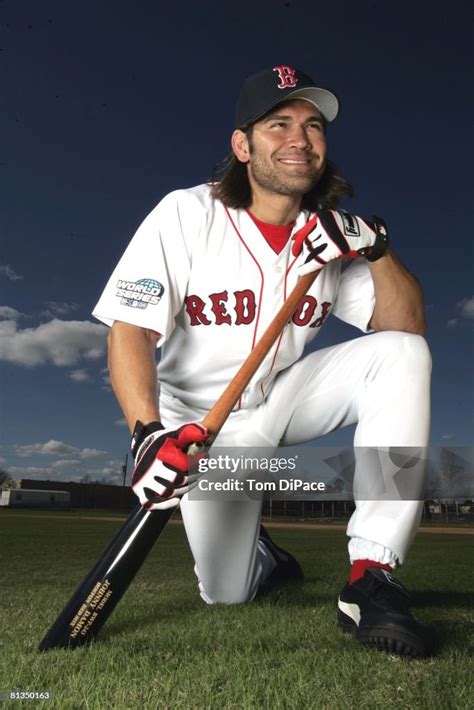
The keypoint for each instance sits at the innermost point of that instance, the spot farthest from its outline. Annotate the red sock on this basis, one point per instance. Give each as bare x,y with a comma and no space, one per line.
359,566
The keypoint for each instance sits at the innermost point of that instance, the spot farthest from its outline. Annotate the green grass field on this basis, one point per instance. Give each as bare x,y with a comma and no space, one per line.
164,648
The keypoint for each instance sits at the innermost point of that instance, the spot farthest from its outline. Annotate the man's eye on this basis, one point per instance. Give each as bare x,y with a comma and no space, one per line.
316,125
278,124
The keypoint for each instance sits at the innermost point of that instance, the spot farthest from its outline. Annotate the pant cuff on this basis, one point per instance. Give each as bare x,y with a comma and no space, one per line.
360,549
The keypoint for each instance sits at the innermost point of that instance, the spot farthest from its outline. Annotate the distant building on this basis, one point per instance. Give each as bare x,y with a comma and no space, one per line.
28,498
88,495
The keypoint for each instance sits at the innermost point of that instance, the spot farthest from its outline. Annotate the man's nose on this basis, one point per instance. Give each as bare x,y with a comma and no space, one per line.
298,137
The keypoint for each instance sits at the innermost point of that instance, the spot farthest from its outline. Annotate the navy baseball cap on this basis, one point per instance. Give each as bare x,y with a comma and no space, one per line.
261,92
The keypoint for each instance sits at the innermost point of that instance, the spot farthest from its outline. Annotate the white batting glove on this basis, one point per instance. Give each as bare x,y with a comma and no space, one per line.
335,234
160,478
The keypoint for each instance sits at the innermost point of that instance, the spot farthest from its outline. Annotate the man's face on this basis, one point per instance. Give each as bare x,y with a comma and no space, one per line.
287,149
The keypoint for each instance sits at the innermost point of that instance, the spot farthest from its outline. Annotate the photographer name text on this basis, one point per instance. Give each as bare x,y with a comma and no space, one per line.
250,485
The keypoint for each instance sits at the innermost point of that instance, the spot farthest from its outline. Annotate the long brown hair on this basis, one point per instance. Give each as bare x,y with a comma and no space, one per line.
231,185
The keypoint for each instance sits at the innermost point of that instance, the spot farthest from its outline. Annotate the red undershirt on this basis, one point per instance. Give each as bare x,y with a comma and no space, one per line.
276,235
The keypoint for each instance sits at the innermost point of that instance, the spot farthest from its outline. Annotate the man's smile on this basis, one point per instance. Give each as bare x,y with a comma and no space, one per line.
294,161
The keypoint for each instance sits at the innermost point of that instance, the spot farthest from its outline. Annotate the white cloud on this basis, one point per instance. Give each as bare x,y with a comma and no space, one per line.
50,448
105,474
63,463
466,307
61,343
54,309
91,453
56,448
19,472
116,463
121,422
7,313
105,377
448,437
79,376
9,272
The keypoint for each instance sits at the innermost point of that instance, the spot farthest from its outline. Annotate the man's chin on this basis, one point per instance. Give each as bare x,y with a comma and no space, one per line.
296,187
293,185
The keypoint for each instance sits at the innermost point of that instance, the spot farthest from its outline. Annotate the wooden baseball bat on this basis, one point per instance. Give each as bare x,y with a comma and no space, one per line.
99,593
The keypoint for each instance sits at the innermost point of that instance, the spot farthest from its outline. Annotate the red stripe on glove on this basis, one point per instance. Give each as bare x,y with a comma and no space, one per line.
173,450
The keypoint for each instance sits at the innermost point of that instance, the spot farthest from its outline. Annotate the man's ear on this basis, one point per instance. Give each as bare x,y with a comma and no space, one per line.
240,146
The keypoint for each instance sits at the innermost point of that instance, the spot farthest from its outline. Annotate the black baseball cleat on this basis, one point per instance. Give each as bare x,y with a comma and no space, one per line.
287,568
376,610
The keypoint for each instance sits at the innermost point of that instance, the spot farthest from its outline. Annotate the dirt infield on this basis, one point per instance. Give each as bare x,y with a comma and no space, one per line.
318,526
447,530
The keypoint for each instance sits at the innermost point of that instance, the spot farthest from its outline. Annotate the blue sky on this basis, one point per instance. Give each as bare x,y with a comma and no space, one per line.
106,107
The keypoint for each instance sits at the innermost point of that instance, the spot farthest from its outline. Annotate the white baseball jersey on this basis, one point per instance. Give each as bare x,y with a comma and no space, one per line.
204,277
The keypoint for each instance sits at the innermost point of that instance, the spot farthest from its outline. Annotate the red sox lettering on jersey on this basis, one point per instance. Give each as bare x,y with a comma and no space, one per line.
205,278
220,309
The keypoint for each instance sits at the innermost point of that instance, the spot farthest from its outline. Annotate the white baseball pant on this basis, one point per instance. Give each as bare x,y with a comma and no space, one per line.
382,382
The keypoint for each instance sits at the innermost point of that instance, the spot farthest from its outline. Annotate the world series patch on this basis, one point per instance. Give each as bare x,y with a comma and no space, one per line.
139,294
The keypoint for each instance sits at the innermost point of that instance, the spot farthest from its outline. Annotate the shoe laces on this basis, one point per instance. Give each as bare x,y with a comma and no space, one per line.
388,594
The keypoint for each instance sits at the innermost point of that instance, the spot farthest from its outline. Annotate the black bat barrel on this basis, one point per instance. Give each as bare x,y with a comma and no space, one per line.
98,594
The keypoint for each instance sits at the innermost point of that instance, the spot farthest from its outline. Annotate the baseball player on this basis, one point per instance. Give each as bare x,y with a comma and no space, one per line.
202,279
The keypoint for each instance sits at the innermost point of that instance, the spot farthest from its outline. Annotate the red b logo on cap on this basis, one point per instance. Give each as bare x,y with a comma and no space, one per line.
287,77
